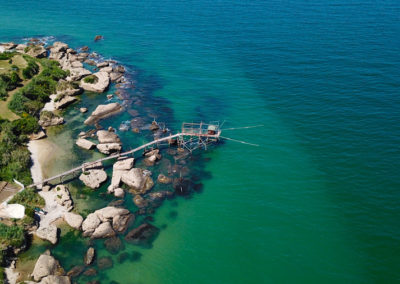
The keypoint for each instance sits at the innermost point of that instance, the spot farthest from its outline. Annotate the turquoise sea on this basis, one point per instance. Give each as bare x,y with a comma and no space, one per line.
319,200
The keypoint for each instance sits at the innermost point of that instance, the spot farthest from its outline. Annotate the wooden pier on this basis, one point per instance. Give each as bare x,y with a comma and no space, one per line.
199,134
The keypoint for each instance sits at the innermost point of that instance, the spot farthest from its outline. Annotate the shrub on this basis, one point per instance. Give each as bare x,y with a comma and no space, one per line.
91,79
11,236
7,55
28,198
30,70
9,81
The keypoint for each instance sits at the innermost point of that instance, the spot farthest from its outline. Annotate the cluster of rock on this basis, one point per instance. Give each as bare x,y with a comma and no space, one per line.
106,222
61,203
151,157
109,142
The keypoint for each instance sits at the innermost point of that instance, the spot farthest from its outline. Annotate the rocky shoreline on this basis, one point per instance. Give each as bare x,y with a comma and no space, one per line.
113,222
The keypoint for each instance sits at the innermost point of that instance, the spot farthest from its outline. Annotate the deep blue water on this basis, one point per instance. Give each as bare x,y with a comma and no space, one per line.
318,201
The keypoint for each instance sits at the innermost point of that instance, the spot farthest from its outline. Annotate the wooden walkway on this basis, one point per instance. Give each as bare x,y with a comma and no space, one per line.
115,156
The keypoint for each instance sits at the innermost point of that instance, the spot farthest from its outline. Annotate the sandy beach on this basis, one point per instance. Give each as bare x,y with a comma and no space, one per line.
42,153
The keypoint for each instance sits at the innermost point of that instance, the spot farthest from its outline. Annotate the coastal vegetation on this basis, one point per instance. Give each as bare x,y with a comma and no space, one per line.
30,70
14,156
32,97
11,236
28,198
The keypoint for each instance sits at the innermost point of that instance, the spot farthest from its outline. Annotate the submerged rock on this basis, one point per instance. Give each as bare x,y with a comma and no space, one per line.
140,201
121,222
90,272
164,179
76,271
143,234
113,245
104,263
98,37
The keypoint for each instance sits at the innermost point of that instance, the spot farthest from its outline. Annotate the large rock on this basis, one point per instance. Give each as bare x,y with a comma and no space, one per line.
103,111
63,197
105,136
102,64
124,164
45,265
121,167
119,192
98,223
48,118
90,224
109,148
138,180
108,213
65,101
143,234
48,233
93,178
55,279
85,144
104,230
68,88
115,76
89,256
59,46
77,73
74,220
37,51
103,81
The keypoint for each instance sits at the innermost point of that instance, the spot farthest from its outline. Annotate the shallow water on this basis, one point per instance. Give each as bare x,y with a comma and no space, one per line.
318,200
